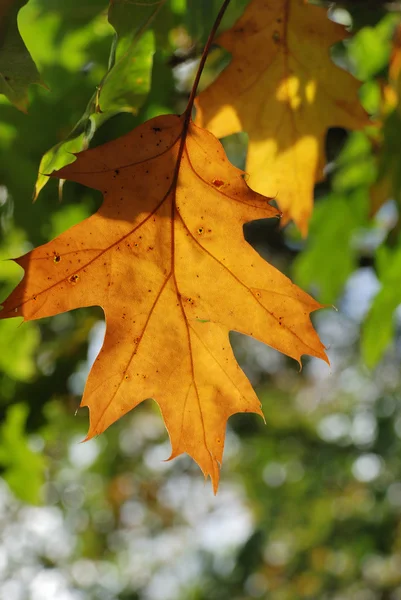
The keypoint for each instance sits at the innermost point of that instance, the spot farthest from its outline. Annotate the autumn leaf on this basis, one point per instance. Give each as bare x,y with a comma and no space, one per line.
282,88
166,259
17,68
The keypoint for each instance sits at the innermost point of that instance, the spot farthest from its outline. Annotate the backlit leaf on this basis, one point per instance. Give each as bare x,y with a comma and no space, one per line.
378,330
17,69
23,469
123,88
166,259
282,88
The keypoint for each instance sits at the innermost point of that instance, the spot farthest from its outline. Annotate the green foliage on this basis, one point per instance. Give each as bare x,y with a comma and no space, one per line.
389,160
20,345
370,49
23,468
200,16
17,69
123,88
333,226
379,325
332,252
344,230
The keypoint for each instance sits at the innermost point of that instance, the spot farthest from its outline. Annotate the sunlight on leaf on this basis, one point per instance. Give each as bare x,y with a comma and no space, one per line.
282,88
166,259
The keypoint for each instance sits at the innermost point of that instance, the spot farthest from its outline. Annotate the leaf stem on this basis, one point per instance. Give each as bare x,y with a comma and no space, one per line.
204,56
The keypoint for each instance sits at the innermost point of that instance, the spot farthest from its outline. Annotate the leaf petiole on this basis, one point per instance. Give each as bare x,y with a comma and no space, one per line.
204,56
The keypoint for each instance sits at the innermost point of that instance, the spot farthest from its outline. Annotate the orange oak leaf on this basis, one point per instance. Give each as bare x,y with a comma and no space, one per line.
282,88
166,259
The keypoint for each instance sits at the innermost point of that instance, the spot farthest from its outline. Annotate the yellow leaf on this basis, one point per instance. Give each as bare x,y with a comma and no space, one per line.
166,258
282,88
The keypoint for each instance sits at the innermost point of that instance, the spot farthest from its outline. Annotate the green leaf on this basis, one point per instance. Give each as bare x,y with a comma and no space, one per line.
378,329
124,87
17,69
389,163
370,48
200,16
75,14
62,153
24,469
355,166
330,257
18,343
68,217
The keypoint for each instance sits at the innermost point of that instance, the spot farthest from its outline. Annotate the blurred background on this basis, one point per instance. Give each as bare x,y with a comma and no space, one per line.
309,505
